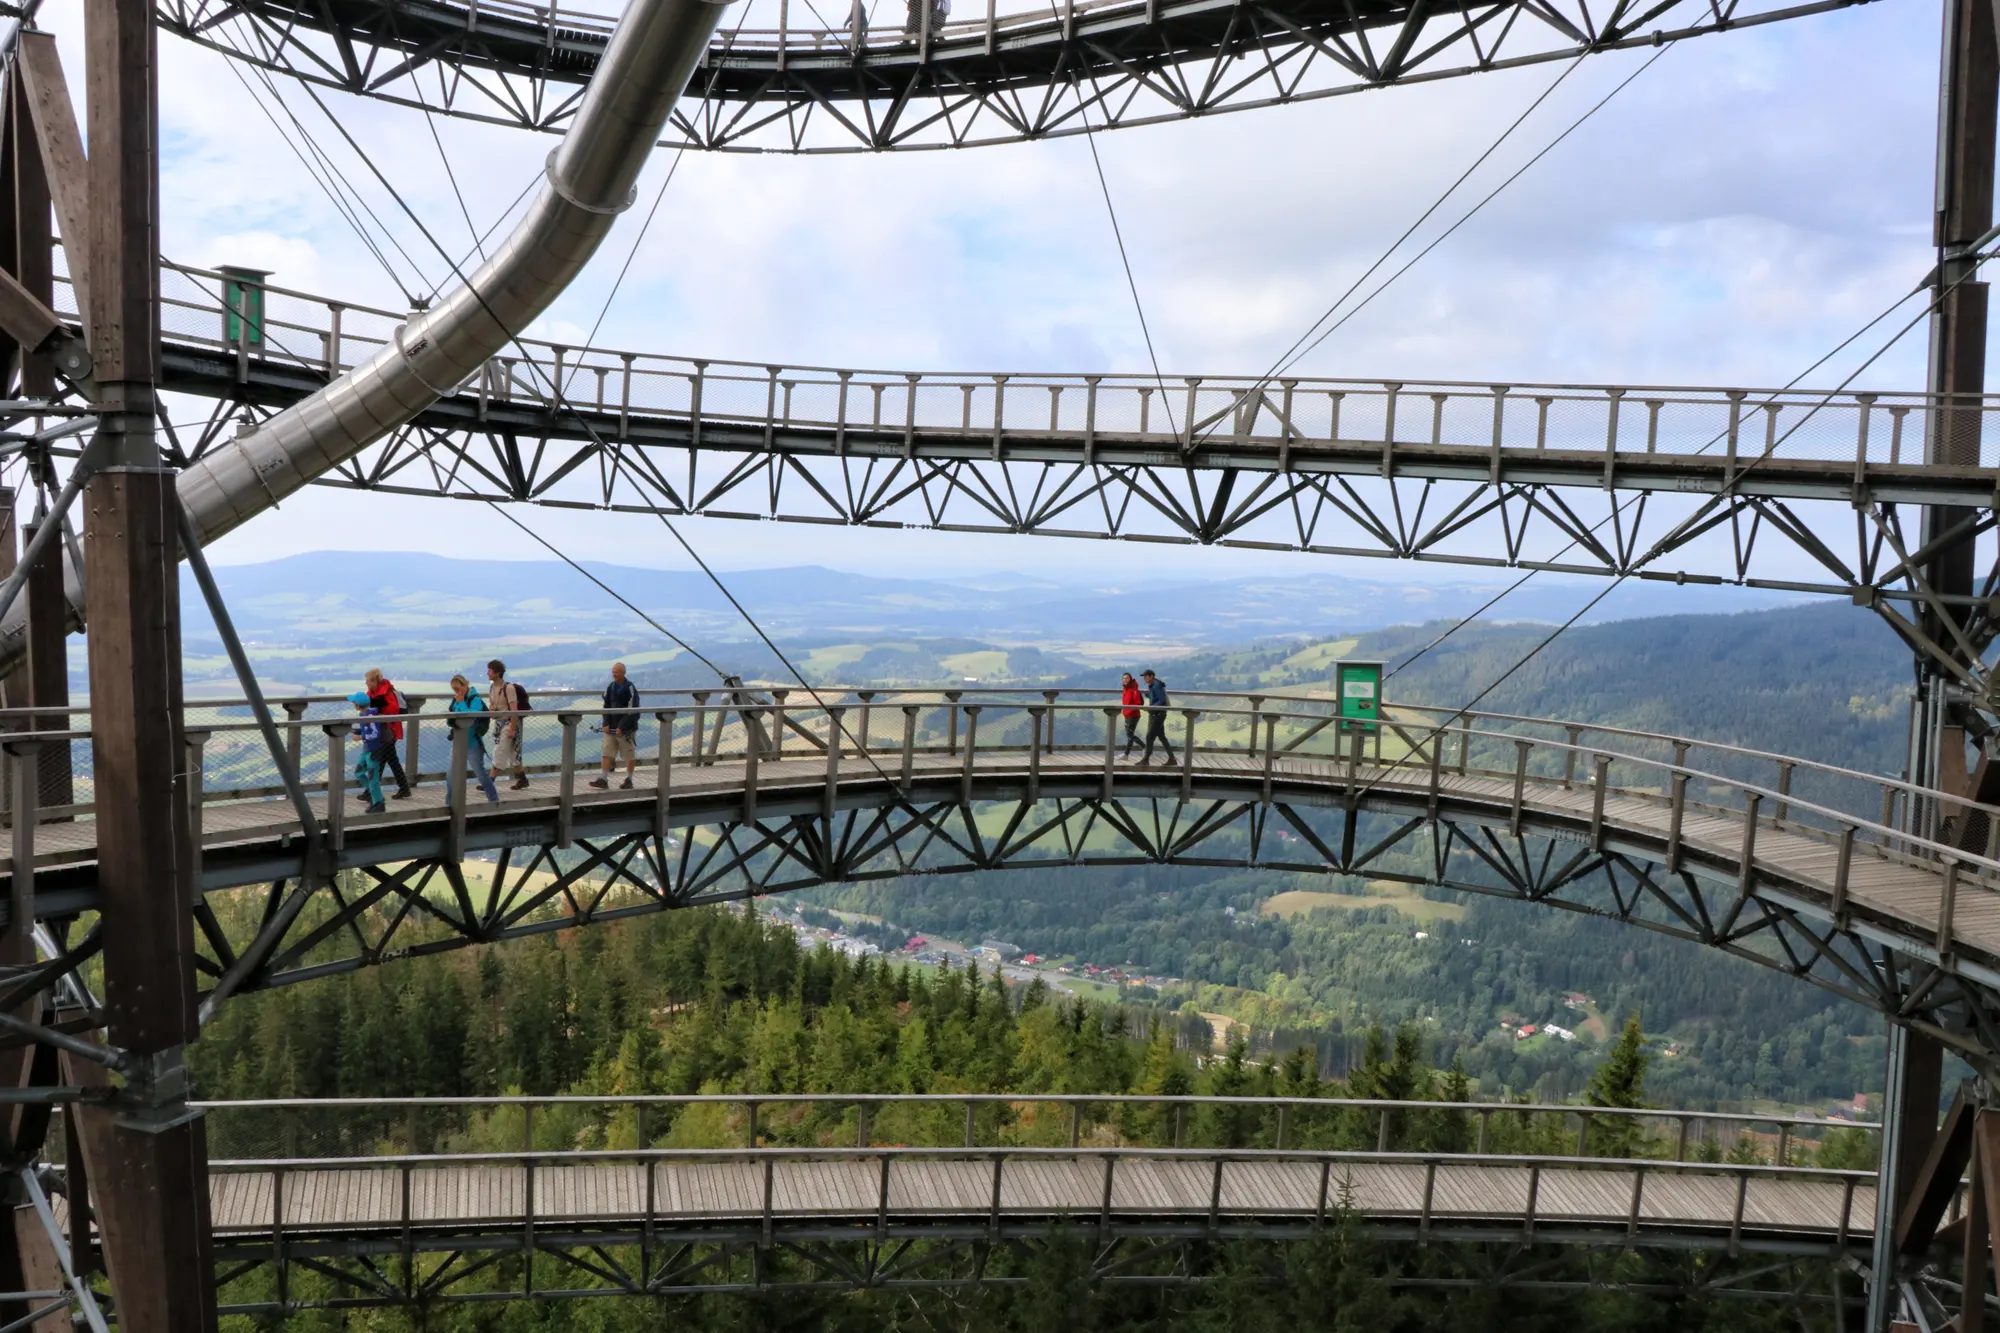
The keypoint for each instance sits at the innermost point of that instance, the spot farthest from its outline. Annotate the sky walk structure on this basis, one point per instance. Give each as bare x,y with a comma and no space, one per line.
117,839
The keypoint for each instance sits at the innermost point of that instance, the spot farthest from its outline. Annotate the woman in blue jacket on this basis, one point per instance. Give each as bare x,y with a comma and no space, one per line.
465,699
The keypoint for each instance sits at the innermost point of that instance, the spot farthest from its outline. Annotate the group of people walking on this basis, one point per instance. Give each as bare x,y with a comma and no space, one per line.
1149,698
380,703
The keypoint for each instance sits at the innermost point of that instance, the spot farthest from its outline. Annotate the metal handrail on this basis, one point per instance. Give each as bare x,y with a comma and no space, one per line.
1027,1098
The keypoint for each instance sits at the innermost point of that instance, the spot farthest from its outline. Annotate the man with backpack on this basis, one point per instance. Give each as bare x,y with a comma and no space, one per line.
1156,718
465,699
384,699
505,696
373,733
621,729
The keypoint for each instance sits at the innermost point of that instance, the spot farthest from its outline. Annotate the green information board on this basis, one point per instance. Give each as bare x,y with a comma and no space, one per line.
243,305
1360,686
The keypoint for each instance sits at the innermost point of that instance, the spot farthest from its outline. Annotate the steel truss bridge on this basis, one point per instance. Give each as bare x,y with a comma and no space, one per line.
292,1199
977,79
1794,490
1796,866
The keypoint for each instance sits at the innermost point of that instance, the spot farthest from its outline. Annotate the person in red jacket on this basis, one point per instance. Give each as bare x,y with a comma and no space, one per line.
1132,699
383,698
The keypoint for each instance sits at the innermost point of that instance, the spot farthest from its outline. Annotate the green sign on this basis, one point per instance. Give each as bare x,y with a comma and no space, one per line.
243,306
1360,686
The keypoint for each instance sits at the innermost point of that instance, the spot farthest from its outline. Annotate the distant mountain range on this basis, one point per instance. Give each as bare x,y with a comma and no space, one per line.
344,596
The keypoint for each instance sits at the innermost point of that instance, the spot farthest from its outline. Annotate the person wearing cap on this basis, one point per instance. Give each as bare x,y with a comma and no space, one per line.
375,741
1156,717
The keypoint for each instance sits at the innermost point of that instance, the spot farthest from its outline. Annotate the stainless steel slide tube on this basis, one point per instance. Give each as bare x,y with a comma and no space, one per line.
590,179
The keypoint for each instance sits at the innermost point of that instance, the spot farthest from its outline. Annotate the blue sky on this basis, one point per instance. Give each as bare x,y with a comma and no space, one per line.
1729,217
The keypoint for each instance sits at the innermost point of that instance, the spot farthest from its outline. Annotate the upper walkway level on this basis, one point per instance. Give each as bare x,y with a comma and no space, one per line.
782,78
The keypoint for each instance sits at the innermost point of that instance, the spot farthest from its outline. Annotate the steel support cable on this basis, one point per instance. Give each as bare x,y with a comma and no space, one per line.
1292,352
1292,358
561,400
314,170
1131,283
551,547
478,242
1619,580
1620,506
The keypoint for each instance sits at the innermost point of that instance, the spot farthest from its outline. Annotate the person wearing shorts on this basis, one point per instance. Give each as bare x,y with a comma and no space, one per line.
621,729
504,695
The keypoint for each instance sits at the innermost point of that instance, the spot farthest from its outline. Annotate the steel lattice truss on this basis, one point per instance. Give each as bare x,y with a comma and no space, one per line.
1821,526
994,79
610,1260
429,904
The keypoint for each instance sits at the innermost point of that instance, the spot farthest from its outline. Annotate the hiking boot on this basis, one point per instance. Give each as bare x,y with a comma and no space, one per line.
375,809
599,783
518,784
400,794
626,785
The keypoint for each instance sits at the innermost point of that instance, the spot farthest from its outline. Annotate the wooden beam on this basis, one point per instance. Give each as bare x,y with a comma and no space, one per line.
33,238
152,1203
1978,1223
23,318
1935,1182
63,161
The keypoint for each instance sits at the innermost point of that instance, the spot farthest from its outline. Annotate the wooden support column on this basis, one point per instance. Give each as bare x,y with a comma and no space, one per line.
47,669
152,1195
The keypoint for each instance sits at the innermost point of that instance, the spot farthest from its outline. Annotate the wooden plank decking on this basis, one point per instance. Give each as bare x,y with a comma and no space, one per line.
357,1198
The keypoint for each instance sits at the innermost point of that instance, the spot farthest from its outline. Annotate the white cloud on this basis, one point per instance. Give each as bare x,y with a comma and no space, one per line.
1729,217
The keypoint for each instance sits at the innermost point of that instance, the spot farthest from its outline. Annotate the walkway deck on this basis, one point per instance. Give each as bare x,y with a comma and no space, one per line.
1713,1204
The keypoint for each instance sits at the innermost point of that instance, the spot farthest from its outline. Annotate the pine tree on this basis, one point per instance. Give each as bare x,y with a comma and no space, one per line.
1620,1082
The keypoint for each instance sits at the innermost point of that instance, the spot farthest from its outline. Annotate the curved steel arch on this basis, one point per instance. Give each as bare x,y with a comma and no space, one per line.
997,78
1906,924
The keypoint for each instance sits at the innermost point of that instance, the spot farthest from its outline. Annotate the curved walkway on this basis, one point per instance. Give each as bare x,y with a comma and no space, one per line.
946,82
1783,864
333,1214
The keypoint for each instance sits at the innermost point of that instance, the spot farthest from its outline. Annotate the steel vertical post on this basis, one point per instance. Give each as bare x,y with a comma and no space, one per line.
153,1194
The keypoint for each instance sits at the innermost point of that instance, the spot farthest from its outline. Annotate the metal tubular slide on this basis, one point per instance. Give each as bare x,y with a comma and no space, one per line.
590,180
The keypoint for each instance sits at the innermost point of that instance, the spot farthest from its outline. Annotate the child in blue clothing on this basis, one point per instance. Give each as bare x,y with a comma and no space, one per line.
375,745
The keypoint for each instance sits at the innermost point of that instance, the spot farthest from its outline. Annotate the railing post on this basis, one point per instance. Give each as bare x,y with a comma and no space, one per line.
750,749
416,704
971,1124
1187,754
1947,907
951,720
1575,734
295,711
1035,715
1521,749
278,1236
909,745
1603,765
1110,753
1746,866
867,698
197,744
566,789
971,735
1842,866
1677,815
833,744
1271,757
1785,767
336,784
461,757
664,788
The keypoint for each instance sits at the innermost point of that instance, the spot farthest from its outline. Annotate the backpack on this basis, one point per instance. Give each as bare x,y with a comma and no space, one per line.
521,703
